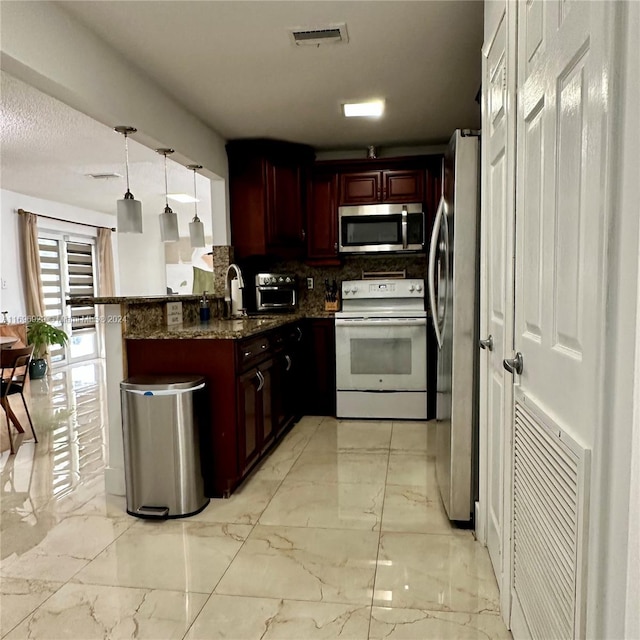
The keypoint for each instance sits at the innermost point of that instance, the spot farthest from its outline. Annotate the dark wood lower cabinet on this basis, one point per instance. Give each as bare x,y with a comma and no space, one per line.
256,388
320,367
253,390
250,419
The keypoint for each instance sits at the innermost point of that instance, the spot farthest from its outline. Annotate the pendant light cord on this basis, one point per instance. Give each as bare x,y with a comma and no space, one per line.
195,195
166,184
126,158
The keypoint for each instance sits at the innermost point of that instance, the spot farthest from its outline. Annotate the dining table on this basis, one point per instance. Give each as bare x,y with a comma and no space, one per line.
6,342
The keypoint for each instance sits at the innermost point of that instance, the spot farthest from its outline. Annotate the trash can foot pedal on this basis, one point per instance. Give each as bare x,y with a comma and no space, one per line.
153,512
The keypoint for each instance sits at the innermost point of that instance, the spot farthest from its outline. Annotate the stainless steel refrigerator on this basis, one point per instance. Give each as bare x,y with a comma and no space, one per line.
454,299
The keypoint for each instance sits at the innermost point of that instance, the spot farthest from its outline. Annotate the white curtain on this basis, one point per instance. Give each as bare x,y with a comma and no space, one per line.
106,272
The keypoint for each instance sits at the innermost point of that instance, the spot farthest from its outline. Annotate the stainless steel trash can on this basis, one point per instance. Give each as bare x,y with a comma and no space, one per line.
163,474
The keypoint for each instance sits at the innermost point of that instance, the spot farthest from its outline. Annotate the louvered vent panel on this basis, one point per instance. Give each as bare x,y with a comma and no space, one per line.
317,34
329,34
549,515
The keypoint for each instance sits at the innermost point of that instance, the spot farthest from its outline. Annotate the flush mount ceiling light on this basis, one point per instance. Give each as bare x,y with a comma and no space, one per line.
103,176
168,219
196,228
129,214
371,109
183,198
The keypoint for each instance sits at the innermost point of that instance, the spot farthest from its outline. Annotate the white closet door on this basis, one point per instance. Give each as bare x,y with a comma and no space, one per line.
564,60
497,220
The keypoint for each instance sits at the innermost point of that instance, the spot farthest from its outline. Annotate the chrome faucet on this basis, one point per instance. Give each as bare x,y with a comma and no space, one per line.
233,305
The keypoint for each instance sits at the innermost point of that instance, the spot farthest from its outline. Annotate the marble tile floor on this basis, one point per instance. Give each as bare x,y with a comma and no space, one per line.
340,533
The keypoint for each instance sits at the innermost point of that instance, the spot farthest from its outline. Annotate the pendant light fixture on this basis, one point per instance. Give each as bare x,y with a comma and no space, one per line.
168,219
129,213
196,228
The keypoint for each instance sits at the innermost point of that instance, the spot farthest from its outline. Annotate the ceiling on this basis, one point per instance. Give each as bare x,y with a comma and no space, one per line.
49,151
233,65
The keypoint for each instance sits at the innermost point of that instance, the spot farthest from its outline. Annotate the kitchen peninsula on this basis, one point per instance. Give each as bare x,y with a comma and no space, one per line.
253,367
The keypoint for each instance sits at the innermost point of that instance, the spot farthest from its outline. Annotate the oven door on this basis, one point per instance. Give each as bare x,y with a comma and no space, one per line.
381,354
271,298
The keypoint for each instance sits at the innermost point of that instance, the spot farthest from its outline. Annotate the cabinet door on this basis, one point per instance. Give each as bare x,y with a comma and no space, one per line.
292,384
267,197
361,188
322,220
285,225
267,415
403,186
319,376
249,418
248,205
279,395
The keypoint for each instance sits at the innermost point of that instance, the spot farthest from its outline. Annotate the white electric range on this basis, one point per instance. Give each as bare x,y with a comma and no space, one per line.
381,350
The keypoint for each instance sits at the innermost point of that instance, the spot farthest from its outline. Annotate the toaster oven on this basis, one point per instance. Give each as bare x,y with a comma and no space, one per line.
276,292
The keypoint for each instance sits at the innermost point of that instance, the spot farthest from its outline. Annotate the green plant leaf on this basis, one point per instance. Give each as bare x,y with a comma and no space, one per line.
41,335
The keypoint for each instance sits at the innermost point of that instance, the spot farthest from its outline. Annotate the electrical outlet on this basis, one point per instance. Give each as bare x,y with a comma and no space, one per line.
4,283
309,283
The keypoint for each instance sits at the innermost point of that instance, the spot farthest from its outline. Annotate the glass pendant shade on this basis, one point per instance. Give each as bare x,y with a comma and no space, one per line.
169,225
168,219
196,233
129,214
196,227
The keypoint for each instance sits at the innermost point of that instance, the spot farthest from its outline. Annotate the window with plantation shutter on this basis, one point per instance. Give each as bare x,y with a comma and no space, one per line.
67,268
80,283
51,271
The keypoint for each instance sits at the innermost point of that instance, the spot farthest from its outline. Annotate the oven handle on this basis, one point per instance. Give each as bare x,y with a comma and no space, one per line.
380,322
276,288
433,248
270,305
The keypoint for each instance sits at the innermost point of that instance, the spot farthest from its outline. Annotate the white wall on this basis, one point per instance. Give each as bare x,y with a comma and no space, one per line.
12,298
45,47
141,261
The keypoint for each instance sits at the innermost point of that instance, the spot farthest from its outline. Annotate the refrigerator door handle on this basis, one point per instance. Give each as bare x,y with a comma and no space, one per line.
433,248
447,275
404,227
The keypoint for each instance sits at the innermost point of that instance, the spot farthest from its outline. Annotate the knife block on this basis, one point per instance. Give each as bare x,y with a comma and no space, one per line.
333,305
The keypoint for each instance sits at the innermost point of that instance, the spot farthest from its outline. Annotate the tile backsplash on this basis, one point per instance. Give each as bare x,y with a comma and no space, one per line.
312,301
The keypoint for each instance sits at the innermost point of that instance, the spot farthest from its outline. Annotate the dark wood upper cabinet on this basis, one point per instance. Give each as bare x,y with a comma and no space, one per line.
282,204
322,219
403,186
267,189
360,188
372,187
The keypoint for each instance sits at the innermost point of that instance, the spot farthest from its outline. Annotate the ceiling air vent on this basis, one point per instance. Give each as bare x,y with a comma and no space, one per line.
333,34
103,176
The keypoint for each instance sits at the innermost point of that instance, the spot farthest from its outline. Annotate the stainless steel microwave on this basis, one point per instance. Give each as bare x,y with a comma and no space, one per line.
381,227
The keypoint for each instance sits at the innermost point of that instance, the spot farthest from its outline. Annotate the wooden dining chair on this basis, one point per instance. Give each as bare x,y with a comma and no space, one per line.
15,368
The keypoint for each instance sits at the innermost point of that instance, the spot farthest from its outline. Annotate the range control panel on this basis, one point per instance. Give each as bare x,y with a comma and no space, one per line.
275,280
377,289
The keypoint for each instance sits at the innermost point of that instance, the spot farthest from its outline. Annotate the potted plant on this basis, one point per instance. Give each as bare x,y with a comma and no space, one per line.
41,334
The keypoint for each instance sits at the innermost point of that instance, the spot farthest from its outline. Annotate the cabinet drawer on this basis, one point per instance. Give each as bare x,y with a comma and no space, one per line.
252,350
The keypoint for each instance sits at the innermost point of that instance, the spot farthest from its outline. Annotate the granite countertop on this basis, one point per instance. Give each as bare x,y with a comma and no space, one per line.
217,328
89,300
